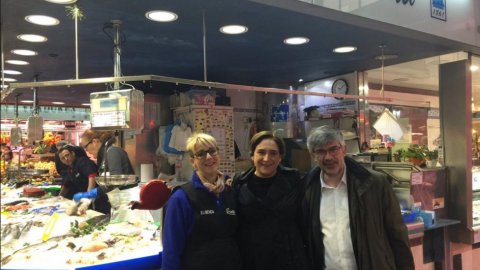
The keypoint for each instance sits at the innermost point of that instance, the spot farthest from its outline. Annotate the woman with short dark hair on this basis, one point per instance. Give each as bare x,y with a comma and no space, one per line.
268,197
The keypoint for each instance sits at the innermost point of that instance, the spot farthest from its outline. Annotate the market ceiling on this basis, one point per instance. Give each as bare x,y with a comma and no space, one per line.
258,57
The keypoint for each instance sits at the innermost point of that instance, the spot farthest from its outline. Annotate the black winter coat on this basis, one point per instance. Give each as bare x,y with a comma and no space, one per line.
379,236
269,232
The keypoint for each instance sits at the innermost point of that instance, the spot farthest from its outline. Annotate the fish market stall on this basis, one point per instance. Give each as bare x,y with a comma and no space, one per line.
37,233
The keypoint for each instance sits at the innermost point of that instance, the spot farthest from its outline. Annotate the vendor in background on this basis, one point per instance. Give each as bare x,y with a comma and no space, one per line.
200,220
268,197
79,176
111,160
7,153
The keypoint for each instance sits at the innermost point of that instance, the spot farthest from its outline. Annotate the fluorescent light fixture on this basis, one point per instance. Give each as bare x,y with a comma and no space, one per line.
11,72
32,38
26,101
296,40
86,104
161,16
17,62
9,80
386,57
24,52
345,49
42,20
58,102
62,1
473,68
233,29
4,86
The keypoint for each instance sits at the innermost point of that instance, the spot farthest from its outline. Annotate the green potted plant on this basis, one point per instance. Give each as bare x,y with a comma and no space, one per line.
415,154
432,157
398,154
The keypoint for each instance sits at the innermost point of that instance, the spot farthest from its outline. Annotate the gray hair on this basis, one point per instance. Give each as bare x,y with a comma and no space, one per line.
323,135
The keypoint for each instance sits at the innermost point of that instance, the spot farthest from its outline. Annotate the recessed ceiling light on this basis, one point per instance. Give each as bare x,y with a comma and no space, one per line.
24,52
300,80
58,102
11,72
161,16
42,20
473,68
17,62
9,80
345,49
233,29
32,38
26,101
62,1
296,40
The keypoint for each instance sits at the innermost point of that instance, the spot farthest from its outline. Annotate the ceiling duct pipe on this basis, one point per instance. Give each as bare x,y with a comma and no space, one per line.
117,52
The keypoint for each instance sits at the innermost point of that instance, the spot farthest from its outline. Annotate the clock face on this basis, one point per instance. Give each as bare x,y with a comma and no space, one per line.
340,86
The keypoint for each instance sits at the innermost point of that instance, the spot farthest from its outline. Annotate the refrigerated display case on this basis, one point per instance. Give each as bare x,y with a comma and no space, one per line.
415,186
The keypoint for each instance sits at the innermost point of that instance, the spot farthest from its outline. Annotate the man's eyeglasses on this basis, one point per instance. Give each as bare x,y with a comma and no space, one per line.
332,151
202,154
86,145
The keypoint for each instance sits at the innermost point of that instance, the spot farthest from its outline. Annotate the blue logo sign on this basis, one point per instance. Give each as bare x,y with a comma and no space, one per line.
438,9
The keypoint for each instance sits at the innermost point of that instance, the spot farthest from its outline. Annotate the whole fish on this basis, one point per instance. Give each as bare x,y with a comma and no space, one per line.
6,230
13,234
26,228
38,247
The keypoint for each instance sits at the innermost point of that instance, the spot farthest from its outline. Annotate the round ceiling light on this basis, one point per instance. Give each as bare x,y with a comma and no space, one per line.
9,80
11,72
345,49
24,52
17,62
42,20
32,38
233,29
161,16
296,40
63,2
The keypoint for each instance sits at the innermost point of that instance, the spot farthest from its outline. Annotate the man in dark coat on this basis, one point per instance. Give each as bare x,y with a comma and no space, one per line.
351,217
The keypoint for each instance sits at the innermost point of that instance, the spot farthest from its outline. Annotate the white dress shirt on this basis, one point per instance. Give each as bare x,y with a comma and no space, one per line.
335,223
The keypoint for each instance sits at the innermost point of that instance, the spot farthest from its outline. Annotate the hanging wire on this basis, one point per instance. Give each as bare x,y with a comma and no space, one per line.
382,58
204,47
